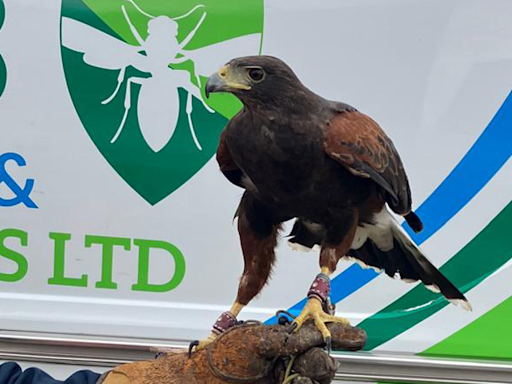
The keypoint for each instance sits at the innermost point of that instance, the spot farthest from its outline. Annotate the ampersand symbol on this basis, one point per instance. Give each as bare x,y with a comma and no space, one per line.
22,195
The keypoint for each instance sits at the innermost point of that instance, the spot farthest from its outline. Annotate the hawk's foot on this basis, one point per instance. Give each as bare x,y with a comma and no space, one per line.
314,311
223,323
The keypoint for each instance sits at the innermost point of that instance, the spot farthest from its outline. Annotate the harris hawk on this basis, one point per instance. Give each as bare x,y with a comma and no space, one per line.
324,164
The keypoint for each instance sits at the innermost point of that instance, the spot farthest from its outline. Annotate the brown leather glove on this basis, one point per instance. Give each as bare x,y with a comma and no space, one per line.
257,354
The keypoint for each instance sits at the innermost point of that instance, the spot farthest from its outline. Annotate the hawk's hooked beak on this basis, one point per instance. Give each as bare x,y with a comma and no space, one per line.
226,79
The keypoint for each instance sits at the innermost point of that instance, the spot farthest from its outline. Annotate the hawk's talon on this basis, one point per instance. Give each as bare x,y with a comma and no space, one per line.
292,327
191,346
198,345
328,344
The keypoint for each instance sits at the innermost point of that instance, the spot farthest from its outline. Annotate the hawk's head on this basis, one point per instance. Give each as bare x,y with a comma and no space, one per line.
263,79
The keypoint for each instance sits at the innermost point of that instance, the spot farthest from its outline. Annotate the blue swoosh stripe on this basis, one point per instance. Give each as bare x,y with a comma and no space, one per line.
484,159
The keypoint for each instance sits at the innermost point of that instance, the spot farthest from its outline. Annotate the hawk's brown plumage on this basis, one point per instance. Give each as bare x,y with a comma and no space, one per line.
359,144
226,163
324,164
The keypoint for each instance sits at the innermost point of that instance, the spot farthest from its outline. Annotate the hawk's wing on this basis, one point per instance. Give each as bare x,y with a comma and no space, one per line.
226,163
359,144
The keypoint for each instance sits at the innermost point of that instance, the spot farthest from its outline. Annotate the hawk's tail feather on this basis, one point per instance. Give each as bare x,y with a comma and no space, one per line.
406,260
427,272
414,221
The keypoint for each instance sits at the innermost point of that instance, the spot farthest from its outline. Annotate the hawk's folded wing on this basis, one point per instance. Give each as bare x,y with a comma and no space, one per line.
359,144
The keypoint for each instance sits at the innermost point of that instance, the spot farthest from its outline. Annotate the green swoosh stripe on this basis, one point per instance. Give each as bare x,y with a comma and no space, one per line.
487,337
2,13
3,75
3,70
483,255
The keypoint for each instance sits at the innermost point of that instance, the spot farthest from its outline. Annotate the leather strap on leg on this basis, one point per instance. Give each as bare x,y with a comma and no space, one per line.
320,288
224,322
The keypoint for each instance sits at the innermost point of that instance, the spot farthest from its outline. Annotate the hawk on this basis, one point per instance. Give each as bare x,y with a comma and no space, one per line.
324,164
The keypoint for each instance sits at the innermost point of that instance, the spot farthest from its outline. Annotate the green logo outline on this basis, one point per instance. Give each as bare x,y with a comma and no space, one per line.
3,68
154,175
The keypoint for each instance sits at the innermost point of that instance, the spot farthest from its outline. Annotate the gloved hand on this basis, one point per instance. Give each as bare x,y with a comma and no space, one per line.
248,353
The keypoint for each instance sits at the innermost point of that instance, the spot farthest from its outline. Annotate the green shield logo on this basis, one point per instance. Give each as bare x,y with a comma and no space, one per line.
136,71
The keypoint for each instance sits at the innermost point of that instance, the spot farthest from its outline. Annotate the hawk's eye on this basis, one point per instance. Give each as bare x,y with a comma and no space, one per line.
256,74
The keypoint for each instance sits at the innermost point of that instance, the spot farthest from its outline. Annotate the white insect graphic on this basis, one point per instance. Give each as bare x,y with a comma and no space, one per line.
158,104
